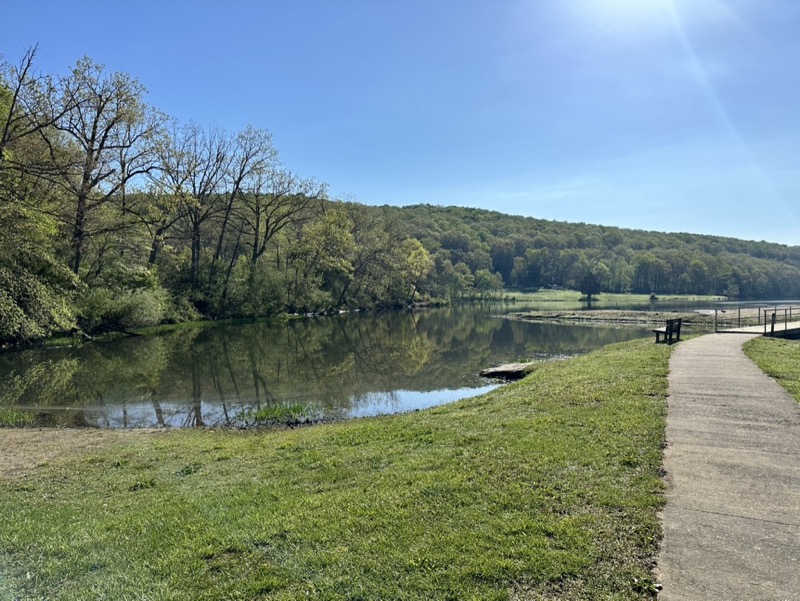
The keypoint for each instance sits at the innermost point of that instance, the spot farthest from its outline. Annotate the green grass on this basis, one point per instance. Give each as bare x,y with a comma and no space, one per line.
276,415
778,358
544,489
15,418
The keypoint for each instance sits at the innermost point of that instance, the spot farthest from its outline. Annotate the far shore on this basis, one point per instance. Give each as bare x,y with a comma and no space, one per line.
700,319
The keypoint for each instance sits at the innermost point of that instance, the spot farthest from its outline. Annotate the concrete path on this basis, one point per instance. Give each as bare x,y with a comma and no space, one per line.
732,519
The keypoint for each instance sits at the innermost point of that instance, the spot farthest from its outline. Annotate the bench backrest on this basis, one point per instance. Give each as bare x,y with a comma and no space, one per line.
673,325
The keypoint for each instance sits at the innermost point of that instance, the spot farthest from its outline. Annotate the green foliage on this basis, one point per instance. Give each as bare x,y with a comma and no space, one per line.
287,415
15,418
591,279
452,282
124,297
30,309
35,290
323,256
534,253
255,289
103,309
417,265
228,231
487,283
180,310
548,488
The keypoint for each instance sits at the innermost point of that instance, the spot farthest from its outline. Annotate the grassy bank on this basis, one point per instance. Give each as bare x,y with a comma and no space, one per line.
778,358
544,489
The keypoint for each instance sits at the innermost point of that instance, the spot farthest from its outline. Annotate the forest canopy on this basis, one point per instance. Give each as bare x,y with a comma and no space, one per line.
116,216
530,253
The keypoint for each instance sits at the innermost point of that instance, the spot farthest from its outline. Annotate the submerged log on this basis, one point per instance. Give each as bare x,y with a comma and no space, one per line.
508,371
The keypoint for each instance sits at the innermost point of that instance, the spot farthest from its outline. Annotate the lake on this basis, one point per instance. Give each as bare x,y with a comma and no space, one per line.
303,369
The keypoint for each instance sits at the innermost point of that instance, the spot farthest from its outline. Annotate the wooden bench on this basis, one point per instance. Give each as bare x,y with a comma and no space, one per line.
671,331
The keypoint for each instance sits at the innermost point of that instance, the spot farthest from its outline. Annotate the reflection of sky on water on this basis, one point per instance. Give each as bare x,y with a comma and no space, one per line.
401,401
354,365
171,414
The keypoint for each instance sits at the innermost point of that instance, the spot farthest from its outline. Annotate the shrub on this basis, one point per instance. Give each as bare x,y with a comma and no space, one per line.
102,309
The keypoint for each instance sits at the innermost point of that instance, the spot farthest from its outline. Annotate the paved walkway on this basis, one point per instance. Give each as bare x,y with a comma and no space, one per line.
732,519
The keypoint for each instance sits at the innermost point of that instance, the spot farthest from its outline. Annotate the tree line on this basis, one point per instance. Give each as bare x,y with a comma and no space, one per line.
469,245
116,216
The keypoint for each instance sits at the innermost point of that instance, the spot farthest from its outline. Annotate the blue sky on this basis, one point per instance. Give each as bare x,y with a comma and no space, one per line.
670,115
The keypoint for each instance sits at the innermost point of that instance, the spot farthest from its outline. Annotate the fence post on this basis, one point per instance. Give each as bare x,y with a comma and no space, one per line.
772,329
715,320
739,318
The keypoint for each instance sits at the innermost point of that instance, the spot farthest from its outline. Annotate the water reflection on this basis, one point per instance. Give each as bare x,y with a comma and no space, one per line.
345,366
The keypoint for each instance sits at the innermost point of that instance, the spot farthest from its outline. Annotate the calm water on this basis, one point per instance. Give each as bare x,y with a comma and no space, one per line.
346,366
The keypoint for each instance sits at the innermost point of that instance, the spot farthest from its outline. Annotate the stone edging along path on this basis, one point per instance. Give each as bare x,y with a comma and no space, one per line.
732,461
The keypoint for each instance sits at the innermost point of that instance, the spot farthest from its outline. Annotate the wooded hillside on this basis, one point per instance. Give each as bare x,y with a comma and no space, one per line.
115,216
530,253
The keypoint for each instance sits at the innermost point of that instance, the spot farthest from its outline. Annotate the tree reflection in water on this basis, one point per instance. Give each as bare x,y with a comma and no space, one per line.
356,364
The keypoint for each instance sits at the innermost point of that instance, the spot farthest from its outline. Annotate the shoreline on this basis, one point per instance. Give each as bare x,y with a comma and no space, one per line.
698,319
561,469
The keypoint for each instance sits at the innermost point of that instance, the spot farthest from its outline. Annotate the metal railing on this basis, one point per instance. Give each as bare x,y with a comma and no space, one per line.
773,318
748,315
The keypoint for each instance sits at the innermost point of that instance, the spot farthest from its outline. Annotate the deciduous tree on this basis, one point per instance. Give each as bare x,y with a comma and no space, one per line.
110,133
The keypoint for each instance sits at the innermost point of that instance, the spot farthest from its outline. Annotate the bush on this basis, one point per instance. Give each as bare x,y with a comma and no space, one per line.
31,308
180,310
102,309
254,290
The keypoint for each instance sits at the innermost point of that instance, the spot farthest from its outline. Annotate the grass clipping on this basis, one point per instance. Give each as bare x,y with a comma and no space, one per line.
547,488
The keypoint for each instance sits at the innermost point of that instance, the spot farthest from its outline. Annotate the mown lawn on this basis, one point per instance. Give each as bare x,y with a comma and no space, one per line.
777,358
545,489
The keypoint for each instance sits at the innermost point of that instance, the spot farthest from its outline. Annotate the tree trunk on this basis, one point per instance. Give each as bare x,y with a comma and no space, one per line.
256,238
230,268
195,253
78,235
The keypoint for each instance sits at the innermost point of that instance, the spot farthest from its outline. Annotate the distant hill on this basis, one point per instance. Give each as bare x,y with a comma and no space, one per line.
531,253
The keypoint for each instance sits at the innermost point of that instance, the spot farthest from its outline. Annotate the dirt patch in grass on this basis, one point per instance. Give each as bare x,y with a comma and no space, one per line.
24,449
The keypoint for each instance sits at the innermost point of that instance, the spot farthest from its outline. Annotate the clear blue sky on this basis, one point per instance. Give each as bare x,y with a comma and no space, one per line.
671,115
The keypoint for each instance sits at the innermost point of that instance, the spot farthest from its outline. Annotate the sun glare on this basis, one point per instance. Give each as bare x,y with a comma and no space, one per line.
627,17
